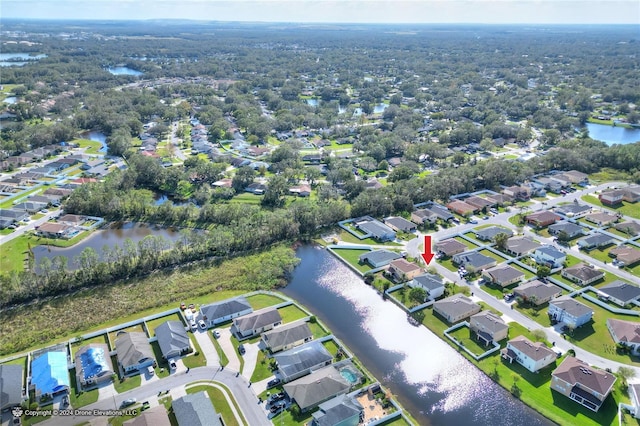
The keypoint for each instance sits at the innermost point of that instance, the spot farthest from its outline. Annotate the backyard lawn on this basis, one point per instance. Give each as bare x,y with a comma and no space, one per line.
351,256
467,338
260,301
291,313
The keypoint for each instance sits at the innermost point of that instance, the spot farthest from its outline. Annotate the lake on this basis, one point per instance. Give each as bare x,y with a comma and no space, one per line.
115,235
613,134
124,71
18,59
429,378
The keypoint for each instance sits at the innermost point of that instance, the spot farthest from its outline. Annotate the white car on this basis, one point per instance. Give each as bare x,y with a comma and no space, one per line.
202,324
192,324
172,364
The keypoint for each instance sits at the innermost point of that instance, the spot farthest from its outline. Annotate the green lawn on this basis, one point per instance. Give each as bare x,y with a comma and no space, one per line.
162,368
219,402
448,263
627,209
291,313
467,338
260,301
93,147
497,291
235,344
263,368
317,330
101,338
247,198
350,238
466,242
527,273
351,256
331,346
127,383
491,254
197,358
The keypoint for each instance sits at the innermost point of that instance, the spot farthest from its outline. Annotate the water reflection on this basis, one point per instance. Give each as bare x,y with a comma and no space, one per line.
431,380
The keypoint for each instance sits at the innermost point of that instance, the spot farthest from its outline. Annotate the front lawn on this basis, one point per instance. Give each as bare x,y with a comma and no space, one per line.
263,368
127,383
197,358
77,397
627,209
221,355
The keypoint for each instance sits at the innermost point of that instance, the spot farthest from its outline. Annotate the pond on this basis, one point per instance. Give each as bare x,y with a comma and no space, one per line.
112,236
429,378
10,100
124,71
98,137
313,102
613,134
18,59
379,108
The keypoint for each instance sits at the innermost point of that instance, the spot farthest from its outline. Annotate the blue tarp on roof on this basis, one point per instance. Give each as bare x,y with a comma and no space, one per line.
50,373
93,362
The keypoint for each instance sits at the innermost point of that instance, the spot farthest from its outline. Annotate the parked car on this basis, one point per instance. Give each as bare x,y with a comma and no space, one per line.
508,297
65,401
172,364
216,334
273,383
241,349
128,402
473,221
202,325
193,325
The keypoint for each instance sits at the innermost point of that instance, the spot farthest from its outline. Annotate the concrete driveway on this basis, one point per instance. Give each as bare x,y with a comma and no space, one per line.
229,349
203,337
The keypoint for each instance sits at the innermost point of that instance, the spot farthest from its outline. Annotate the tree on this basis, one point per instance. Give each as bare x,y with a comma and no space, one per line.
626,373
243,177
543,271
501,241
277,188
417,295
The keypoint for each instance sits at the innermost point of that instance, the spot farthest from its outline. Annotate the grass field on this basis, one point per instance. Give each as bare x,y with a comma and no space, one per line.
467,338
153,324
65,317
261,301
351,256
627,209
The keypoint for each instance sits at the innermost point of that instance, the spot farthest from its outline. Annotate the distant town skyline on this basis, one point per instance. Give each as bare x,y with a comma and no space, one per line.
335,11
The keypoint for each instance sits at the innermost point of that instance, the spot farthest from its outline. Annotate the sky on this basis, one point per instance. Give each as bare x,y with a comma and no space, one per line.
338,11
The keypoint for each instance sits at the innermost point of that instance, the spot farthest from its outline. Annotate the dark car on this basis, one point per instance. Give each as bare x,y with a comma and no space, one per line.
128,402
273,383
241,349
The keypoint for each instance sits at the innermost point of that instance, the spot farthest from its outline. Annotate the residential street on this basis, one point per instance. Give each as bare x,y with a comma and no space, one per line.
239,387
500,305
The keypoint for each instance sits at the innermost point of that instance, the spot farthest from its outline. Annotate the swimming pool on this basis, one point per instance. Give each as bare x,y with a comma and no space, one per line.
349,375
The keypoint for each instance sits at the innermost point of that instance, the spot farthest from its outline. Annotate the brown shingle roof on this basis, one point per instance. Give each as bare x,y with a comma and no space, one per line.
575,371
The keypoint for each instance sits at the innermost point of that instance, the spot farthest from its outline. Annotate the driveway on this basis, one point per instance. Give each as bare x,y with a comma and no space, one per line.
229,350
203,337
250,358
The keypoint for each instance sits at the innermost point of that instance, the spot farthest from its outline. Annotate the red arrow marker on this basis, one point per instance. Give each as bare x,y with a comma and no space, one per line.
427,255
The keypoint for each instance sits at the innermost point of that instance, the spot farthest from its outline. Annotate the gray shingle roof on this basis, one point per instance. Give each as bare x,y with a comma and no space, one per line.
317,387
257,320
571,306
379,256
11,377
172,337
504,273
336,410
132,347
225,308
429,282
491,232
287,334
303,357
621,291
195,409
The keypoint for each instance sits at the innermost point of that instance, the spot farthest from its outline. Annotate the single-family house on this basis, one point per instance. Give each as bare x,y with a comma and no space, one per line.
582,274
536,292
585,385
456,308
256,322
72,219
479,203
520,193
568,229
625,255
614,197
518,246
549,256
629,228
488,327
134,351
422,216
577,177
490,233
542,218
626,333
50,373
303,190
503,275
442,212
56,230
378,258
256,188
93,365
195,409
595,240
41,199
602,218
172,339
400,224
532,356
569,311
461,208
317,387
620,292
450,247
474,261
11,386
401,270
432,284
226,310
550,184
375,229
343,410
301,360
156,416
499,199
287,336
30,207
13,215
573,210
